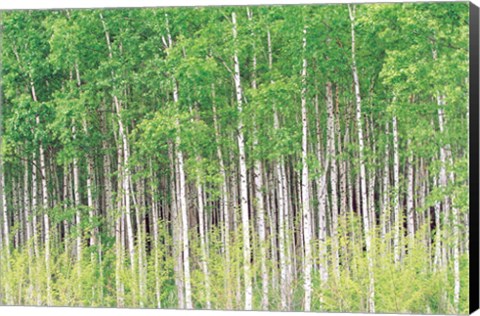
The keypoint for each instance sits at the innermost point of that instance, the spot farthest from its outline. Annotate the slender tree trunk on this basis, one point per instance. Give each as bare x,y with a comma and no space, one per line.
155,236
119,249
235,224
46,221
281,203
3,203
107,178
258,188
343,180
321,182
126,158
272,219
333,178
202,223
90,169
371,172
243,176
410,209
182,192
183,209
363,180
34,204
27,212
455,232
203,243
385,191
307,229
18,217
224,200
385,217
437,261
258,180
90,181
177,229
443,181
351,214
444,155
396,193
6,231
78,203
139,205
66,204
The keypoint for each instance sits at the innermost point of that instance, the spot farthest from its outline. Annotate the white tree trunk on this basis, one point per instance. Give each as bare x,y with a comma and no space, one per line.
176,229
385,217
444,152
111,221
333,177
119,233
26,209
76,190
3,204
456,249
126,171
437,260
410,210
34,204
281,203
90,180
280,179
90,169
6,231
76,194
155,224
307,229
203,259
396,193
443,181
225,202
46,221
258,187
243,176
363,180
322,205
343,178
183,209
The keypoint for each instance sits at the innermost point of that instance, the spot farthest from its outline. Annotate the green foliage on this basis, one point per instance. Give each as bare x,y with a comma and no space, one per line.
96,91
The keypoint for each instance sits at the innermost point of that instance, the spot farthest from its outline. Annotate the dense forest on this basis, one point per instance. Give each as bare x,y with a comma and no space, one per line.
294,158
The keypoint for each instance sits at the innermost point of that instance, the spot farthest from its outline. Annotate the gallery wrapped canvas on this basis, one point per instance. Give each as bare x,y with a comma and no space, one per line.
276,158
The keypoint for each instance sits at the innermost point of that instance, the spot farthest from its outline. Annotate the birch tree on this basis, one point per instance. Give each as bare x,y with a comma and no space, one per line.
363,180
243,174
